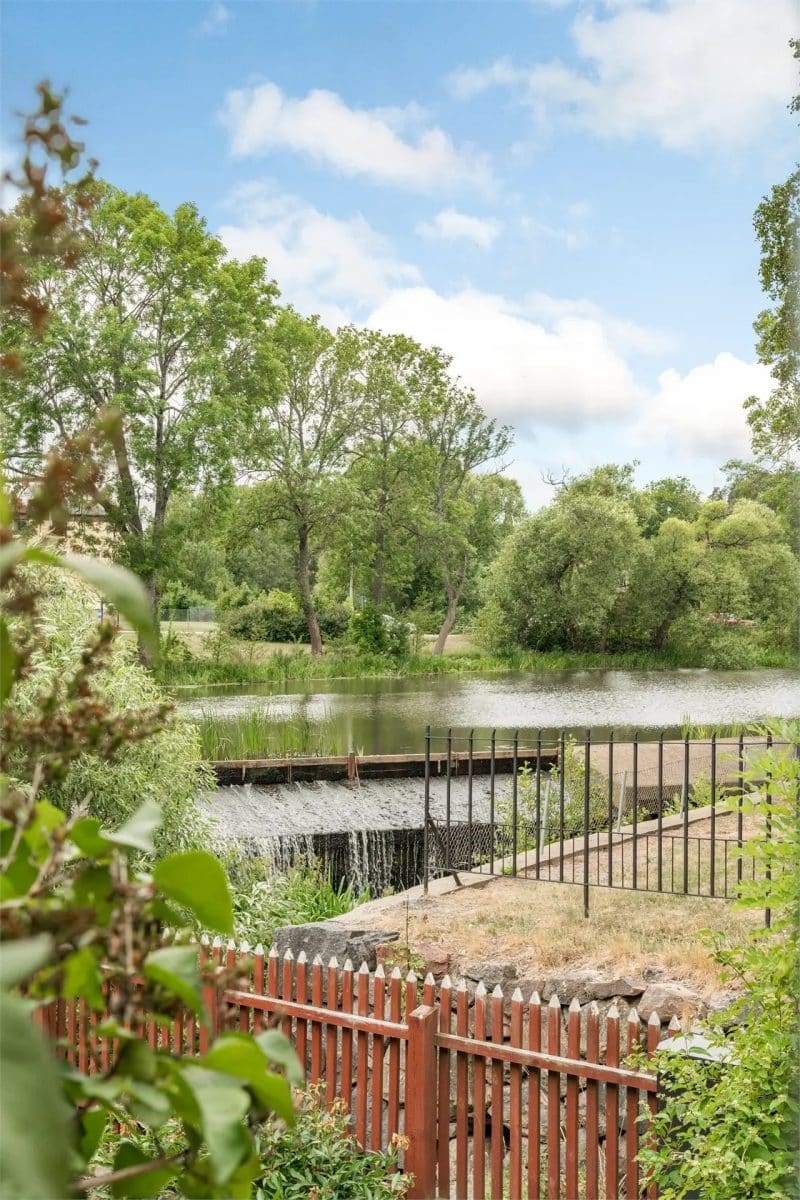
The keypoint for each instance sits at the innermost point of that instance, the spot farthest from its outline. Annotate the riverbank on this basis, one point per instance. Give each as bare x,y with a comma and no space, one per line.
280,666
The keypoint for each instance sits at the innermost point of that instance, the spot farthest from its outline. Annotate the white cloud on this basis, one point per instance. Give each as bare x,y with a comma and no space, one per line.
216,19
564,375
627,337
700,413
325,265
356,142
694,74
451,225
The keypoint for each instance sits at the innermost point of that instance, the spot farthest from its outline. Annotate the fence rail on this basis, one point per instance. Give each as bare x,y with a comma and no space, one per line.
663,815
498,1095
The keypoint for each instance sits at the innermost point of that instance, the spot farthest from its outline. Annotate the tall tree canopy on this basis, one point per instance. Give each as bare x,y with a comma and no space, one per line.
154,322
775,421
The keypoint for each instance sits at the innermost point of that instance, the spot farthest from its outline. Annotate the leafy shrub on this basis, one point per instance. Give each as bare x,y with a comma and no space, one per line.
166,768
272,617
733,1131
320,1160
573,771
333,621
235,597
374,632
264,901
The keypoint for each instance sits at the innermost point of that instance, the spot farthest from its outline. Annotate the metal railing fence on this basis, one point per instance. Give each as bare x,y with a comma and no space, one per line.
664,815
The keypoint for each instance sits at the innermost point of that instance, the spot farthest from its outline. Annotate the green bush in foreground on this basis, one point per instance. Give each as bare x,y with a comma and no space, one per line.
732,1130
320,1160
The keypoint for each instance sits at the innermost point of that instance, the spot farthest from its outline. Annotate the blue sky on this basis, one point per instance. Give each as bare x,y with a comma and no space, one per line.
559,194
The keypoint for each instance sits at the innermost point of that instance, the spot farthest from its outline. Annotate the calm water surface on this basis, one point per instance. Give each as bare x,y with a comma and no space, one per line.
382,716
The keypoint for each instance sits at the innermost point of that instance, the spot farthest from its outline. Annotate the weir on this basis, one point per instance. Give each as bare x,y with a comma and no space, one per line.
369,834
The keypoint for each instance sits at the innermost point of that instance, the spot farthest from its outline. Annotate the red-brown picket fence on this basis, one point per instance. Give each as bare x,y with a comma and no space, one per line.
493,1095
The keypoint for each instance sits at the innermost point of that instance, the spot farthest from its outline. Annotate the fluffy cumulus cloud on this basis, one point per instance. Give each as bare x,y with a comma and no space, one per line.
564,375
694,74
450,225
700,414
385,146
337,268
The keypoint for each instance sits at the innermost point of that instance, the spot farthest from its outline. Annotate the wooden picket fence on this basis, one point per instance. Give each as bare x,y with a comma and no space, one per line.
489,1095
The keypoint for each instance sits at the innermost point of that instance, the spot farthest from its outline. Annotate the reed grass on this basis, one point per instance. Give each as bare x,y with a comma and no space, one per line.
259,733
282,667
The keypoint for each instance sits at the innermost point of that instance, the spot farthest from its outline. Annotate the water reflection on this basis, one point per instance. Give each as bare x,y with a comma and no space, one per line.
381,716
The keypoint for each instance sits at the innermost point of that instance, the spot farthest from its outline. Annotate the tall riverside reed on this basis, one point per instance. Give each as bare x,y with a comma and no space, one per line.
259,733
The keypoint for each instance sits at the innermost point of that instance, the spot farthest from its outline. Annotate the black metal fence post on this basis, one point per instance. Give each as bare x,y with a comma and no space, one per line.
561,770
471,743
713,868
539,842
426,826
610,812
740,815
586,809
491,801
635,840
686,817
514,801
447,852
660,836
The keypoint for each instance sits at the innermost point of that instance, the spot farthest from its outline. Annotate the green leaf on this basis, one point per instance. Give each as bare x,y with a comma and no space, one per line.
197,880
87,836
34,1147
8,663
83,977
237,1054
19,959
279,1049
138,1060
93,1126
137,832
150,1183
175,968
121,587
222,1105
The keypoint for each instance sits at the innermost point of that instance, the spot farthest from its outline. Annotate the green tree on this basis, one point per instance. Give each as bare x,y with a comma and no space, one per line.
309,416
152,321
662,499
456,439
560,576
775,422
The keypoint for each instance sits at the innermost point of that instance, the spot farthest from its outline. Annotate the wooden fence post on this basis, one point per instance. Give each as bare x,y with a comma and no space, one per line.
421,1097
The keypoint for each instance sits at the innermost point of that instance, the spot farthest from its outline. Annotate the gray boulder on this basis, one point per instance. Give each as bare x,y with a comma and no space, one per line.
332,939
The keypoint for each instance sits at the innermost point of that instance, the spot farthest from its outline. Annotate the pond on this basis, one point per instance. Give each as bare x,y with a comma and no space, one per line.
384,716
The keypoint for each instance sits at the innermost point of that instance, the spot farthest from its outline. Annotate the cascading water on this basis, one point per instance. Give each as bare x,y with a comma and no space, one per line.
369,835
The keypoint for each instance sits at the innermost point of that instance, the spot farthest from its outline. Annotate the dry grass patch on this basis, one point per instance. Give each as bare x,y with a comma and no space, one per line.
540,927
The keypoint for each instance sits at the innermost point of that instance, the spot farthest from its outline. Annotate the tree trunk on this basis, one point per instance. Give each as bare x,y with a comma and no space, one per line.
304,586
448,622
144,651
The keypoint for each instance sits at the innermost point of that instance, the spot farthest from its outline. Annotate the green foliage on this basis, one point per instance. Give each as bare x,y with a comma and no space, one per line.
558,578
775,421
78,921
529,813
320,1159
257,733
374,632
274,617
732,1129
718,590
264,901
166,768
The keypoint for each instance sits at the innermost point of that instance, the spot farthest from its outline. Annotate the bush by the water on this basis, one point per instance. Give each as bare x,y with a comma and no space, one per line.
276,617
374,632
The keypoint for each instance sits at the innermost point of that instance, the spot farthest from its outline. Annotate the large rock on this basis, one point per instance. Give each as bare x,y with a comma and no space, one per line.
332,939
491,973
572,985
670,1000
619,985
